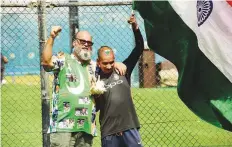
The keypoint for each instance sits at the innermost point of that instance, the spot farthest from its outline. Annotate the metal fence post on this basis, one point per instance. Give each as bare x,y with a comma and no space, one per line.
43,74
73,22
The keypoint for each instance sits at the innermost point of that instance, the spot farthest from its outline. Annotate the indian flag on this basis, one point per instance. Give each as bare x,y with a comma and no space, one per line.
197,37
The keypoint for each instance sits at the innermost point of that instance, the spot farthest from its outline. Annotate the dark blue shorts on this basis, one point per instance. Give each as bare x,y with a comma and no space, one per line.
128,138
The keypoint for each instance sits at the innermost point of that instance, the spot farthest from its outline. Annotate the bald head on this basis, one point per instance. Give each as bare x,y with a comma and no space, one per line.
105,51
85,35
106,59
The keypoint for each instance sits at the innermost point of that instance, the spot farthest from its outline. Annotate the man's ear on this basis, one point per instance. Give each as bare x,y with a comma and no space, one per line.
98,62
74,43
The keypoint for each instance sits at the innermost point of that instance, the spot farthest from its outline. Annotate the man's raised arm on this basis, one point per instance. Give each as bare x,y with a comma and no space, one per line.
47,52
132,59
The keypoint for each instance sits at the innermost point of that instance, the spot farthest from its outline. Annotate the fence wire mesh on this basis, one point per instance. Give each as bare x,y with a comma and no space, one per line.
165,120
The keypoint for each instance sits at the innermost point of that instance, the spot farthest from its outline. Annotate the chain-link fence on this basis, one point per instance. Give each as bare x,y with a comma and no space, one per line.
165,120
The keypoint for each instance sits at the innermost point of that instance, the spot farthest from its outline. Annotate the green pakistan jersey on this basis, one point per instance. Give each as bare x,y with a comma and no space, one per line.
73,108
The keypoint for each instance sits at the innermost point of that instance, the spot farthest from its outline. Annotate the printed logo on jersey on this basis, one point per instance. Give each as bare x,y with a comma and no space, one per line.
111,85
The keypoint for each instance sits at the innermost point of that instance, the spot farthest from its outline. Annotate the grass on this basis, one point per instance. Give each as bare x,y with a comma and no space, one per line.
165,120
21,116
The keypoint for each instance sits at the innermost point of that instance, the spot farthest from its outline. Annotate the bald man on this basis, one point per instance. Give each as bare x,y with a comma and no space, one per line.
118,118
73,76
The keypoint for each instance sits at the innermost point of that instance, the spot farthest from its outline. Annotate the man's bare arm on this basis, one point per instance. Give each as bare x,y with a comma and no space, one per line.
47,52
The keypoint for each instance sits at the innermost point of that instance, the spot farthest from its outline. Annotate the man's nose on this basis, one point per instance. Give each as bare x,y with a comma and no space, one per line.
108,66
87,48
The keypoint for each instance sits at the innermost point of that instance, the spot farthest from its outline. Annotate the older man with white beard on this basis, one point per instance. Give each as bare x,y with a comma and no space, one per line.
72,92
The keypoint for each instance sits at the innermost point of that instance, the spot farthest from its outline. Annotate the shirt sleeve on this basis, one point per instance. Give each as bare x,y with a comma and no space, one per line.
133,58
58,63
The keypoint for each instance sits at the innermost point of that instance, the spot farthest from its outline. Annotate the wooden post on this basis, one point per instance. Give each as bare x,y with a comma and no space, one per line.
147,69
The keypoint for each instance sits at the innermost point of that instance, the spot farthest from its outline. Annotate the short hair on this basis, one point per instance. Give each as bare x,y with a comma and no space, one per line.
103,48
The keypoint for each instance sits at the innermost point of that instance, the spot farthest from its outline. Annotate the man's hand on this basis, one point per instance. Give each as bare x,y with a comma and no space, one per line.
97,87
55,31
133,22
120,68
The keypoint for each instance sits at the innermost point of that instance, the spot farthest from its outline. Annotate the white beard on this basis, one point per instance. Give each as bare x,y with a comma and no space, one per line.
83,54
